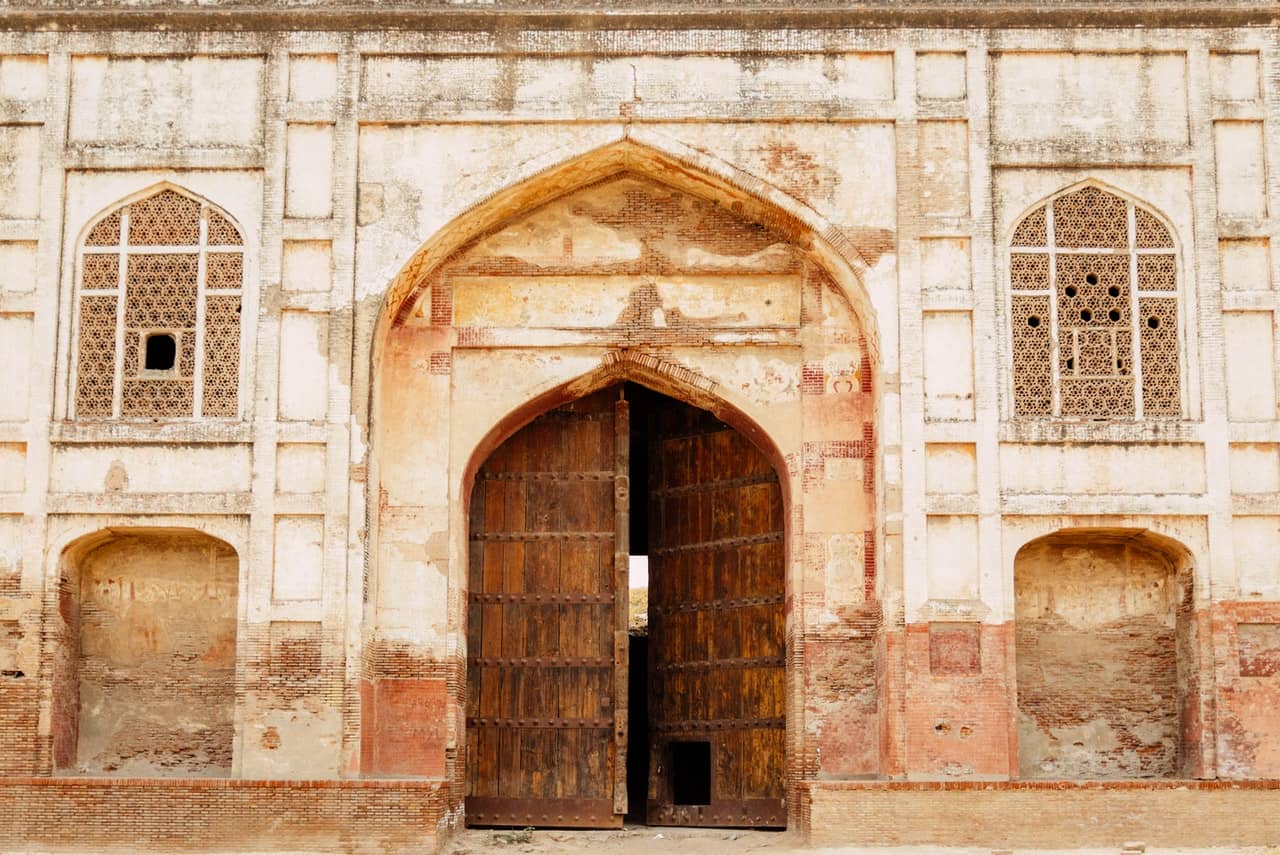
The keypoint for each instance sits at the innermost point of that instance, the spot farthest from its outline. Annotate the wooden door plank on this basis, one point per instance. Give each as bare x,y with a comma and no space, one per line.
716,610
542,514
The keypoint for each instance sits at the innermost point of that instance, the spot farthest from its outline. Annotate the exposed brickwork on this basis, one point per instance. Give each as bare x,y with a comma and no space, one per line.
832,236
161,815
1248,730
155,658
957,715
1097,651
1044,815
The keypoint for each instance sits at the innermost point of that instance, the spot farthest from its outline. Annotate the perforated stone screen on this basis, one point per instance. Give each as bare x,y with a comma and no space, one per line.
167,265
1094,311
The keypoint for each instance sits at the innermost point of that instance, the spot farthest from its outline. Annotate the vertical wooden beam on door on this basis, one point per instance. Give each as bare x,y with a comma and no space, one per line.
622,592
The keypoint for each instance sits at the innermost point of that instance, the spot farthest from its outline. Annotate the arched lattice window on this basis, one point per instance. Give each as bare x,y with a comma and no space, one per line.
158,291
1094,310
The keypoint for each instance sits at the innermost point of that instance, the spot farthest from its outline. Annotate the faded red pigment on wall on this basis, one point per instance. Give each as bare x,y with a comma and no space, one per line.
1247,648
154,658
957,709
1098,683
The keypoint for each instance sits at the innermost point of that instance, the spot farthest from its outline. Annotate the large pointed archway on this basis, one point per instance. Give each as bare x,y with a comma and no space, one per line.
649,271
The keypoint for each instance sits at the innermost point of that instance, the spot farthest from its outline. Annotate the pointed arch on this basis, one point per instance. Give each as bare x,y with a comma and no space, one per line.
1101,186
155,190
645,370
159,279
657,157
1094,308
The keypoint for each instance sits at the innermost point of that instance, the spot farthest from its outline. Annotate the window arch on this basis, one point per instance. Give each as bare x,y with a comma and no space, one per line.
159,284
1094,310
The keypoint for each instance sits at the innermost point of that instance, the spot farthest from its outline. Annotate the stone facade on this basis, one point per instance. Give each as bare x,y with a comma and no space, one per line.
998,303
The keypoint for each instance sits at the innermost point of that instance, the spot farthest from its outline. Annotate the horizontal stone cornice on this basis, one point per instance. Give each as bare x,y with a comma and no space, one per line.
588,15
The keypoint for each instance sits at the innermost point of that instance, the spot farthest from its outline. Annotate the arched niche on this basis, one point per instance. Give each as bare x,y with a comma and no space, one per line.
144,654
1106,656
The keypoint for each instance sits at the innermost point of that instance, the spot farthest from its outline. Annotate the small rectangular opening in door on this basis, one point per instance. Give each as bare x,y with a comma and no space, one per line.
691,773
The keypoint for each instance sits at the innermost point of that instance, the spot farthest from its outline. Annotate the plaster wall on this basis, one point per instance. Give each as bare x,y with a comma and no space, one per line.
894,162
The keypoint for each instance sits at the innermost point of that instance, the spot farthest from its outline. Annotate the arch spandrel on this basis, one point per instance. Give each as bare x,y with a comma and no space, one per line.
667,162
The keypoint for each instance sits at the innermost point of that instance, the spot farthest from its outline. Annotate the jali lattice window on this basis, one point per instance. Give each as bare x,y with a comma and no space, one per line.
1094,310
159,292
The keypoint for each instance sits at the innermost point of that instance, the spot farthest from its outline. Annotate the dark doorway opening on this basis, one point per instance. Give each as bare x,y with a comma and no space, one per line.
690,770
638,722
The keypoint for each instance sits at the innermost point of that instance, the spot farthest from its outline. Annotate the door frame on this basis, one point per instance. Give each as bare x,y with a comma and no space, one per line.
689,388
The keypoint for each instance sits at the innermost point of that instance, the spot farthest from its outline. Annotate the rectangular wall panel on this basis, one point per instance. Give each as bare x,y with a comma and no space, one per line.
952,550
304,366
1092,97
948,366
1242,190
1251,383
15,356
298,572
308,190
157,102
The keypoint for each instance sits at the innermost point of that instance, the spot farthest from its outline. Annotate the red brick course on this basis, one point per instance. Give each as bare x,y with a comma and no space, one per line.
167,814
1043,814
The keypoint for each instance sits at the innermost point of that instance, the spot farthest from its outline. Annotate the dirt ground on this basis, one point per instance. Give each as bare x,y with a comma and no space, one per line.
642,840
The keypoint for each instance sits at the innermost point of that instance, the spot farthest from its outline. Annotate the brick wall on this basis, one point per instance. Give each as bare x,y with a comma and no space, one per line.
163,815
1044,815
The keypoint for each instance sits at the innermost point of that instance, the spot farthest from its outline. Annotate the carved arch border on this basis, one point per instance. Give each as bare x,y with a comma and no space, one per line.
666,161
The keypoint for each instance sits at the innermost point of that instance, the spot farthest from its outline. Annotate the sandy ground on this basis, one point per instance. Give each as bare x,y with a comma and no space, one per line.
641,840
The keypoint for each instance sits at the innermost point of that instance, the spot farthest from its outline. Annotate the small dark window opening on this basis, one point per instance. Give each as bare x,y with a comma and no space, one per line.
161,351
691,773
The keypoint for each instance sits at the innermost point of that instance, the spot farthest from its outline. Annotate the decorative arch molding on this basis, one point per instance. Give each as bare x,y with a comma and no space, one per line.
1106,187
83,537
653,155
450,385
646,369
1164,542
1178,540
154,189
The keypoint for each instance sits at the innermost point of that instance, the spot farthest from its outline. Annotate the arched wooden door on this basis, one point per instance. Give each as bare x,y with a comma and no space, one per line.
546,631
717,709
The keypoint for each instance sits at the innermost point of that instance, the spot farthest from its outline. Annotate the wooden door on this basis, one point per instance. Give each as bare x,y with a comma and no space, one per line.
546,630
716,644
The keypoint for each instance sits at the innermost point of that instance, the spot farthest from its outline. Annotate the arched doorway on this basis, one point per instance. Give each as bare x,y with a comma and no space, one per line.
557,512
